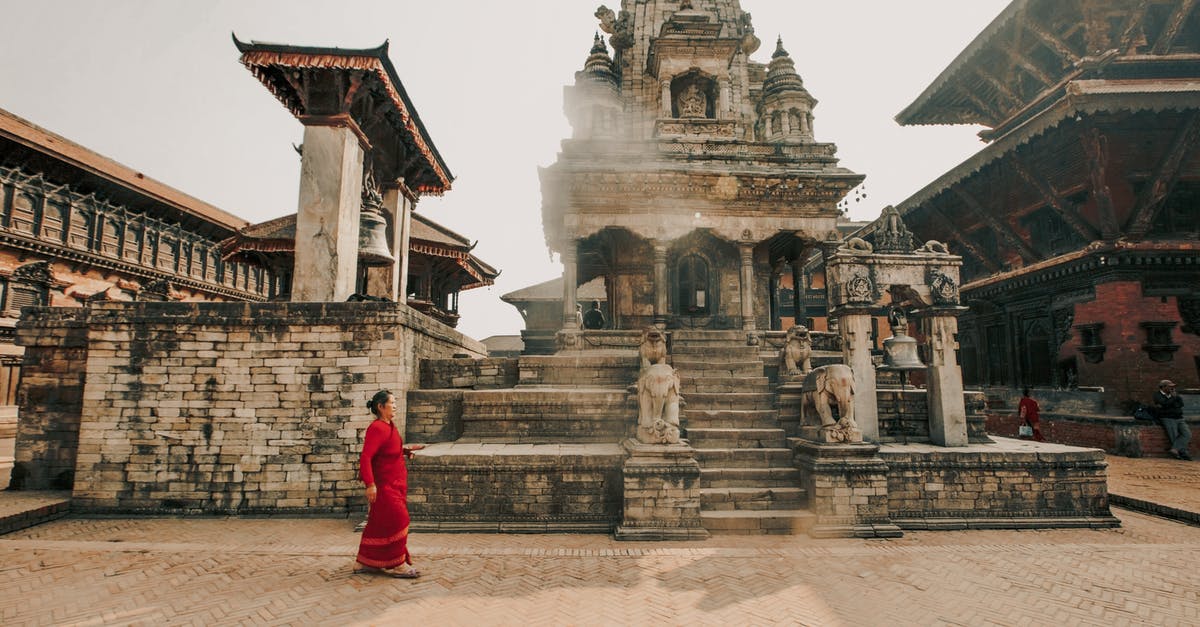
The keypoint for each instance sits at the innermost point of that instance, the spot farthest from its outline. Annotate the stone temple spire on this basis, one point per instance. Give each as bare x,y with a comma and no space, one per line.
787,105
593,104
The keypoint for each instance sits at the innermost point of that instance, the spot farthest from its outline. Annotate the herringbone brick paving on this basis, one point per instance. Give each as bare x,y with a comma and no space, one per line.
284,571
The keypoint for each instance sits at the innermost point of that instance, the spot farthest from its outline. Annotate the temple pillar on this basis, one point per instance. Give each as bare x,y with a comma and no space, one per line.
799,288
326,257
785,120
947,409
666,98
570,285
855,329
392,281
660,284
747,251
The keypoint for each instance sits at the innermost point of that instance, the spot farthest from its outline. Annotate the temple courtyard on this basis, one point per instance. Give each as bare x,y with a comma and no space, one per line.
101,571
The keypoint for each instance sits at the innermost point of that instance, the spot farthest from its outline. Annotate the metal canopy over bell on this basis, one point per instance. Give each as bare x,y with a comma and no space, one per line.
372,240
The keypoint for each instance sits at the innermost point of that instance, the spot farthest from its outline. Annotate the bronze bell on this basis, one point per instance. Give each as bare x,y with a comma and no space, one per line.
373,249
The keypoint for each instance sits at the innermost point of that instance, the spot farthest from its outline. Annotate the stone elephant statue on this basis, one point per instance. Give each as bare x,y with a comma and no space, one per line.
658,405
825,387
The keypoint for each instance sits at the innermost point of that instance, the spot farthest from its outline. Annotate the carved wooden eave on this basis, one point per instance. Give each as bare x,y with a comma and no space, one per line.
1029,53
76,166
1081,98
358,88
1134,258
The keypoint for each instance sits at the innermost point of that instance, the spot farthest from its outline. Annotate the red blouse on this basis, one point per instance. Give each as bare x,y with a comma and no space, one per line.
382,459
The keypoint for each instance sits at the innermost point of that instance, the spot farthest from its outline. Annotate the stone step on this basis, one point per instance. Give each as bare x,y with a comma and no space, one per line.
699,401
729,418
757,522
736,438
744,457
749,477
724,384
759,499
726,368
716,352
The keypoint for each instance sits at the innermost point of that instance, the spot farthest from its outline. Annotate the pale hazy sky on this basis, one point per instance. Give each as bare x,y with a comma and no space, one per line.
155,85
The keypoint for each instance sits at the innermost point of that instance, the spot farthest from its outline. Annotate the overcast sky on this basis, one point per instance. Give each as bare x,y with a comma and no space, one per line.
155,85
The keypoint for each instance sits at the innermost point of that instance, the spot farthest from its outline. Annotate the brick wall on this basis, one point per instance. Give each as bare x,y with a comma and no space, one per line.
938,488
50,399
1119,435
1126,372
234,407
494,372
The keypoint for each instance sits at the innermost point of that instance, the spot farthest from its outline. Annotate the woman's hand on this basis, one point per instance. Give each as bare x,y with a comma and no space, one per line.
411,448
372,492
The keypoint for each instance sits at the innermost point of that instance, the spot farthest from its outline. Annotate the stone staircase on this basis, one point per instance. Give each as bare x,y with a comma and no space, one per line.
748,482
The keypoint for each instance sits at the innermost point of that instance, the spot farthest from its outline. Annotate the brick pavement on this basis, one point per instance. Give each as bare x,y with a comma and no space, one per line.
281,571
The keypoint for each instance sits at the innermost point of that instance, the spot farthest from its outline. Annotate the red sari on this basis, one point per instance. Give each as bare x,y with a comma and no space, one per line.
384,542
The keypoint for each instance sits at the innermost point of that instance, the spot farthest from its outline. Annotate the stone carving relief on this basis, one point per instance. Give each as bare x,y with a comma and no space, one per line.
827,387
618,26
942,288
1061,320
34,273
795,357
859,289
157,290
692,102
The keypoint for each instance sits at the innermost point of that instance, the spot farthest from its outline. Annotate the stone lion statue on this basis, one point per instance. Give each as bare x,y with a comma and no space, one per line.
828,386
934,247
856,245
658,405
796,355
653,349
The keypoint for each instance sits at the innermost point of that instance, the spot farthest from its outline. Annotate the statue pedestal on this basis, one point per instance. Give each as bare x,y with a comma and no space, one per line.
847,490
831,435
662,493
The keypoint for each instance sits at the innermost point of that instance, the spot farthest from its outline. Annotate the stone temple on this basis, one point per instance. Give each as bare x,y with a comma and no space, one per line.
692,180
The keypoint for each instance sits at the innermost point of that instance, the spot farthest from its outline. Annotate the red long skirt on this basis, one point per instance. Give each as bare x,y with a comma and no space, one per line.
384,542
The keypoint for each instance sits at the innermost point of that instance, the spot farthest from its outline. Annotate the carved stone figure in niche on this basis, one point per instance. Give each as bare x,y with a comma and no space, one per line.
828,386
658,405
692,102
616,25
893,237
796,354
857,246
653,349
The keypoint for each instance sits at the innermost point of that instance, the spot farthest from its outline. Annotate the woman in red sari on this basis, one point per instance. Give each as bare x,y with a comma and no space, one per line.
384,545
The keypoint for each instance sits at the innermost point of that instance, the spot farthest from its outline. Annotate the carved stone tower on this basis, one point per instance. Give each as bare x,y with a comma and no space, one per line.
692,171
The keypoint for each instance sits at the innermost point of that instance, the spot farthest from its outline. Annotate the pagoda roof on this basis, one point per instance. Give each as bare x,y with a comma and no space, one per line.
275,65
1024,59
552,290
67,163
428,238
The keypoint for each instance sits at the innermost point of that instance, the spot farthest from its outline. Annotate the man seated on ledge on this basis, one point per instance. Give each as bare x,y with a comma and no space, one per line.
594,318
1169,409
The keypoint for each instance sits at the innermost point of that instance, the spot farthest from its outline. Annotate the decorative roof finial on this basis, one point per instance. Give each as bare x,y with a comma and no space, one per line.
598,44
779,51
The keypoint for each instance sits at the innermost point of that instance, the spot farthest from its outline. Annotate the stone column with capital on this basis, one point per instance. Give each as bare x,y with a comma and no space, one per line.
747,251
660,284
666,98
799,286
855,329
326,249
570,286
947,409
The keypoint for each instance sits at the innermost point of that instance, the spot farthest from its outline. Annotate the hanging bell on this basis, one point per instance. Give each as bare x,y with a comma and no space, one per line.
372,239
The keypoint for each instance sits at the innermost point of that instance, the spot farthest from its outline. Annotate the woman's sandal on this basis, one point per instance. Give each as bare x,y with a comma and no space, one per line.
407,573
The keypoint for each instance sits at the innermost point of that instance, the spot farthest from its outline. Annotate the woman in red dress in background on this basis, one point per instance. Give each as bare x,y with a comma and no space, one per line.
384,545
1028,410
